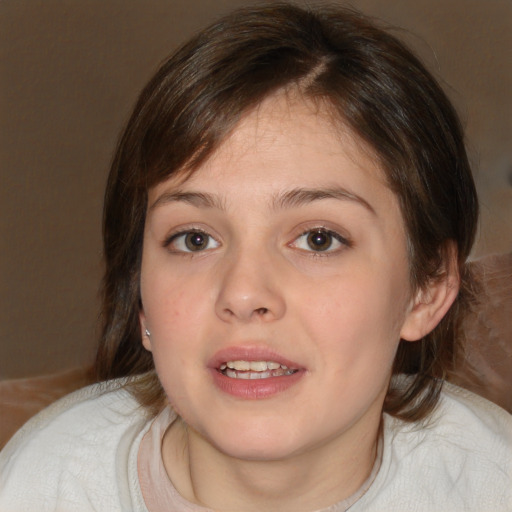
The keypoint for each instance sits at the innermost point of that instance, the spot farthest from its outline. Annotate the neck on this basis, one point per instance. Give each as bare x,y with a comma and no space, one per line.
324,474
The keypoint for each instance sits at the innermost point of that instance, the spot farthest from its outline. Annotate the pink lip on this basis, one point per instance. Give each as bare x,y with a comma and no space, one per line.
258,388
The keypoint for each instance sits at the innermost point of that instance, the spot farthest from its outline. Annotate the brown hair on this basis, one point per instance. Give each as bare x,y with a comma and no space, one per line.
372,83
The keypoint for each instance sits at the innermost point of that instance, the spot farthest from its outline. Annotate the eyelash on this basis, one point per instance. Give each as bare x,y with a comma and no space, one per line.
343,241
176,236
328,251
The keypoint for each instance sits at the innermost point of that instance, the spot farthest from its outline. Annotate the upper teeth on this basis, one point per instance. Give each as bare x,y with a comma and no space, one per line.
255,366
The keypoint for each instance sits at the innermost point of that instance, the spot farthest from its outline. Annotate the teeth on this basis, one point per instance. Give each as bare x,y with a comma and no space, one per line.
253,366
239,365
250,375
253,375
258,366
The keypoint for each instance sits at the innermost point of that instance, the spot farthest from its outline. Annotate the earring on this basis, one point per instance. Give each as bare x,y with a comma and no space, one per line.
147,333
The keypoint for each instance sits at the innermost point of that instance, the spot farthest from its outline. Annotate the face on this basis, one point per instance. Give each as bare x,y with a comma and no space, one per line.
275,286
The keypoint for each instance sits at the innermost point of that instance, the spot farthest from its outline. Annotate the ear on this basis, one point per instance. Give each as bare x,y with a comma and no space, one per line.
432,302
146,339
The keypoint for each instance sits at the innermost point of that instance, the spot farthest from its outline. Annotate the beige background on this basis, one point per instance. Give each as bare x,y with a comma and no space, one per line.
70,71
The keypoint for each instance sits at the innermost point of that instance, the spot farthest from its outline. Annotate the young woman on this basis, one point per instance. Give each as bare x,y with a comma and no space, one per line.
287,221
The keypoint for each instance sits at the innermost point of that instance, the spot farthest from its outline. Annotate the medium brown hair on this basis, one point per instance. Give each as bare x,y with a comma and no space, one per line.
371,83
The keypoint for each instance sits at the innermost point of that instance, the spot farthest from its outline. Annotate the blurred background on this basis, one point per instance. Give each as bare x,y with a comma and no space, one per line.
70,71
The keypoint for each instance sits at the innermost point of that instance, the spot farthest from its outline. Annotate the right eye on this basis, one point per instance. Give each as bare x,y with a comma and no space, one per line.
320,240
191,241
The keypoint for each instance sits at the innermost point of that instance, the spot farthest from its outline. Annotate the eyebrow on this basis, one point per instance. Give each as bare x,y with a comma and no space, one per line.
289,199
300,196
197,199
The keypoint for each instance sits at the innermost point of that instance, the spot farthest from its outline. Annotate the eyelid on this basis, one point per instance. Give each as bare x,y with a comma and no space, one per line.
343,240
192,227
183,231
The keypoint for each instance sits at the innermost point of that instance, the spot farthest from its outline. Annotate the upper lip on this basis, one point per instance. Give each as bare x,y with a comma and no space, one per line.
250,353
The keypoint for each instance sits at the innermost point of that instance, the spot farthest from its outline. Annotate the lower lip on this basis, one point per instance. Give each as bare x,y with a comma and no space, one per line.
255,389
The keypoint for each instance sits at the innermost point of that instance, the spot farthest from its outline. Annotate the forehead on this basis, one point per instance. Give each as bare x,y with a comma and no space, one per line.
285,127
286,142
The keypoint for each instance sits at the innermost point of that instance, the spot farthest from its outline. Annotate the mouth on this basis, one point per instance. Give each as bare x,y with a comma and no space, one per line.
252,370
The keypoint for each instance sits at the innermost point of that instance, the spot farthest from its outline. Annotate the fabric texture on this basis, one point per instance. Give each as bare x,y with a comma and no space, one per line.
20,399
81,455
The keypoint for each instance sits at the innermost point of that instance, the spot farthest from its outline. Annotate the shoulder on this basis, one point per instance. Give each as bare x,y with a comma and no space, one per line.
76,450
458,460
471,426
95,414
474,438
472,417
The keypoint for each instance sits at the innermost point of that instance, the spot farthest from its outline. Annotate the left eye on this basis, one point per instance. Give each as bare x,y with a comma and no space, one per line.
192,241
319,240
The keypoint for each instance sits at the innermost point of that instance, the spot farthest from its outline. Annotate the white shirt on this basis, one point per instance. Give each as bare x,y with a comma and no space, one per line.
80,455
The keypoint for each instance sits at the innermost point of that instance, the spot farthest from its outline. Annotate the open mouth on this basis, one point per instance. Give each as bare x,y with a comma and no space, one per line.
250,370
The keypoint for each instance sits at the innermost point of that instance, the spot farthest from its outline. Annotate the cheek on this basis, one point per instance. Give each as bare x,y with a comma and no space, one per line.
358,314
170,301
174,314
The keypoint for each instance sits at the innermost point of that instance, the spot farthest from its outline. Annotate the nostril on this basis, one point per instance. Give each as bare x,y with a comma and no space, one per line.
261,311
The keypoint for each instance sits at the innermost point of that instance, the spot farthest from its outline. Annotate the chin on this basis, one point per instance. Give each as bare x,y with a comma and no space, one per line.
263,452
261,442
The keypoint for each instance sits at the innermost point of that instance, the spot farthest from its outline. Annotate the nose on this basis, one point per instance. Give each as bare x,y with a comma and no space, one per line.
249,290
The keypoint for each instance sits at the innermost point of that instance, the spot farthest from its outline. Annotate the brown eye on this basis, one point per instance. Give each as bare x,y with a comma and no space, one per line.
191,241
196,241
319,240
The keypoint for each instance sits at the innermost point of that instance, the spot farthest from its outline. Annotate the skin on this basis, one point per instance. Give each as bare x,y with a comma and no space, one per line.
338,314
